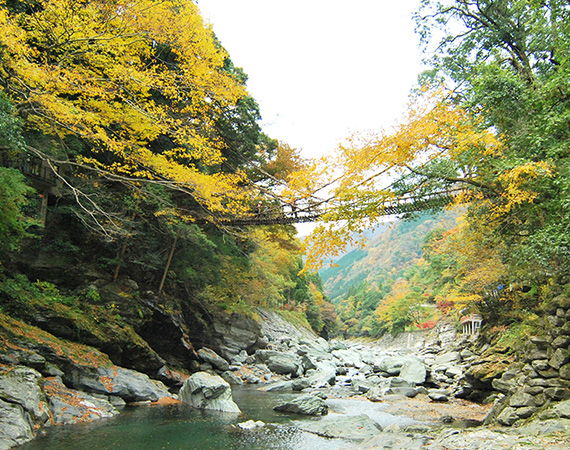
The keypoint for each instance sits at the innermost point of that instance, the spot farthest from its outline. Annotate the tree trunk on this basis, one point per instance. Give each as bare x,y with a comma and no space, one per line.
122,254
167,264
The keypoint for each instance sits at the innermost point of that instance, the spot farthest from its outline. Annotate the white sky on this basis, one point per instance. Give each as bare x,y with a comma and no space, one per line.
320,69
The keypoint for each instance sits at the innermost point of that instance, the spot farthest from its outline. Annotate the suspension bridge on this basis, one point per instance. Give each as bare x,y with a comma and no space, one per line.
43,177
285,214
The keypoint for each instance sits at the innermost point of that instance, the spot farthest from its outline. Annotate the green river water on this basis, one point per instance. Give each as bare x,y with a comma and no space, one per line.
181,427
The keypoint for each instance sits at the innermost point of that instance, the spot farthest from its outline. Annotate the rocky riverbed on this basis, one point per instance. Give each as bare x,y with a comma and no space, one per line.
444,387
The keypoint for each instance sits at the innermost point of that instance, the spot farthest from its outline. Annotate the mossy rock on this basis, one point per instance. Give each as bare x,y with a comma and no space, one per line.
493,366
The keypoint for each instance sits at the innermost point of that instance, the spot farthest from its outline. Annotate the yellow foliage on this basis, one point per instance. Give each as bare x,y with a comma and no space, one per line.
120,74
367,163
515,179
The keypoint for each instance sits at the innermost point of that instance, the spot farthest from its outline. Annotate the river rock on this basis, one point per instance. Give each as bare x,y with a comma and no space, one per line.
23,406
300,383
21,385
317,346
15,429
206,391
250,425
521,399
69,406
376,394
391,365
349,358
447,358
337,345
560,410
560,357
231,378
509,416
438,395
356,428
324,374
211,357
414,371
285,363
128,384
309,405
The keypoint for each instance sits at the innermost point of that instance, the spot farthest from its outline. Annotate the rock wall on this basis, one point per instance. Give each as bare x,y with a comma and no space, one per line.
541,376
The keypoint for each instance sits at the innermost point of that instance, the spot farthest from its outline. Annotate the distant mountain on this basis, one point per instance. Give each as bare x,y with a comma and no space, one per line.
388,253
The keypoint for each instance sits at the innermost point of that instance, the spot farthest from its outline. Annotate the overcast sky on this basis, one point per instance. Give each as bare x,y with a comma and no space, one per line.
321,68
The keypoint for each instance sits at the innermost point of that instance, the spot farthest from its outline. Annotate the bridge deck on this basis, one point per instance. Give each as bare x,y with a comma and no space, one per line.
399,206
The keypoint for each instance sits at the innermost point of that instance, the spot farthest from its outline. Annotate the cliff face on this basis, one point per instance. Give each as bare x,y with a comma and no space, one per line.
75,356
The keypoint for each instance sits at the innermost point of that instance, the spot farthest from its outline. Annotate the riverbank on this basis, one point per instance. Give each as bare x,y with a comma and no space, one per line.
437,384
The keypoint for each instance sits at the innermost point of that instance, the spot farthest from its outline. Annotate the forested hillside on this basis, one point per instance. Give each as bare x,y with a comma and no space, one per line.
489,126
387,254
128,142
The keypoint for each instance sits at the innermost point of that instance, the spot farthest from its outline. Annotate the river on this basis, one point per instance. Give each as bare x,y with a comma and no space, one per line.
181,427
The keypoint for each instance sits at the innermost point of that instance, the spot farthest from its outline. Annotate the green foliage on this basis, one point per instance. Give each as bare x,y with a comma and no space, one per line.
11,139
21,294
13,198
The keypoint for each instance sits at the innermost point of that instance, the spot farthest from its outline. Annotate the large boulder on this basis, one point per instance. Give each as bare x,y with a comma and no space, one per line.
309,405
206,391
323,375
23,406
69,406
128,384
349,358
211,357
357,428
285,363
413,370
391,365
15,429
21,385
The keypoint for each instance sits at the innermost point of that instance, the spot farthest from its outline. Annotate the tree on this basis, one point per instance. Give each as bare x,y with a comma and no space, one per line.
141,84
438,148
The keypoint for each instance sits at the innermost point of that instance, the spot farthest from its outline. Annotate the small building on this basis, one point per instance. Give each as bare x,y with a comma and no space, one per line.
471,324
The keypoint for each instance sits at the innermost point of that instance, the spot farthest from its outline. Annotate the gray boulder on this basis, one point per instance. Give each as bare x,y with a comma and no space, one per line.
356,428
309,405
285,363
69,406
391,365
447,358
14,426
376,394
23,406
324,374
211,357
349,358
128,384
559,410
206,391
262,356
510,415
231,378
21,385
316,346
438,395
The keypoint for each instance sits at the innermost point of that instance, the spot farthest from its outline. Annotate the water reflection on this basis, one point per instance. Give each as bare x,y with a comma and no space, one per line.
181,427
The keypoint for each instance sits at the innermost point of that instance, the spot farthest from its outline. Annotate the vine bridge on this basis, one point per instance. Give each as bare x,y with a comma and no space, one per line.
299,213
42,176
